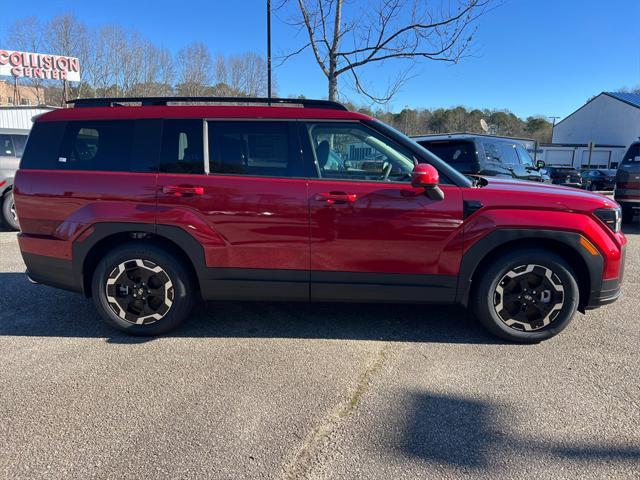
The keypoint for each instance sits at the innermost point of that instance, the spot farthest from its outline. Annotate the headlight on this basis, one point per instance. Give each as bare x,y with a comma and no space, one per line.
612,217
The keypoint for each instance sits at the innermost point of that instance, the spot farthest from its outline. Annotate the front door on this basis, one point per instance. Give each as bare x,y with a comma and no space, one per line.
373,236
247,207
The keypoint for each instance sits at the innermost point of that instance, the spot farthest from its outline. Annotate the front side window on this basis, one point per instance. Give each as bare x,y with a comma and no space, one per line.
253,148
509,155
354,151
525,158
100,145
6,146
182,149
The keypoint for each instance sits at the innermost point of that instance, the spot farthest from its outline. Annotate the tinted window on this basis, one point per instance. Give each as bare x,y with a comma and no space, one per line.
492,152
182,149
41,152
102,145
460,155
525,158
509,155
253,148
19,142
6,146
633,155
354,151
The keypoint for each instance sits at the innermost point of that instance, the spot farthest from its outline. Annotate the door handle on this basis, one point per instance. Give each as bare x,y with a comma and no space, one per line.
182,190
336,197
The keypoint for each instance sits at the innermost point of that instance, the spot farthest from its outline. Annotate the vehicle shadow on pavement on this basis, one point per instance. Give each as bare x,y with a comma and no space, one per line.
37,310
473,434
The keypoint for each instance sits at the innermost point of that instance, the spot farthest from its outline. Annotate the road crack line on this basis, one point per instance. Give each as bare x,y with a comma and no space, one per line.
319,442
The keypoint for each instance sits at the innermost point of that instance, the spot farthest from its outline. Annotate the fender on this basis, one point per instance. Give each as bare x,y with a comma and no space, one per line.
500,237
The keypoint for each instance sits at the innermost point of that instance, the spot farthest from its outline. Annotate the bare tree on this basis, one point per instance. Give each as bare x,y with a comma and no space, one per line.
25,34
67,36
196,65
344,40
244,74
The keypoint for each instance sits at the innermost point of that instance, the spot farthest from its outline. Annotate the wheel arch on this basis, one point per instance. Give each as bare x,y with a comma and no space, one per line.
100,238
588,268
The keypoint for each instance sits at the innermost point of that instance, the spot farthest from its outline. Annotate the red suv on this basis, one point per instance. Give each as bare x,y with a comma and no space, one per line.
147,205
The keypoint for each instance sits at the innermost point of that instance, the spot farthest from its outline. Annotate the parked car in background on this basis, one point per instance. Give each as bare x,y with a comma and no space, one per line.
627,192
147,208
599,179
567,176
485,155
11,148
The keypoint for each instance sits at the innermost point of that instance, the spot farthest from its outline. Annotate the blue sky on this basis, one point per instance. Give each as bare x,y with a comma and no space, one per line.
532,56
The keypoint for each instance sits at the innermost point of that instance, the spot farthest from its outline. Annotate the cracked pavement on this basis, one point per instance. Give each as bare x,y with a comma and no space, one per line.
313,391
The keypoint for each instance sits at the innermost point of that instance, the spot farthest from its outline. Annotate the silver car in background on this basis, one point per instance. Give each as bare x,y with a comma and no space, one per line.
11,149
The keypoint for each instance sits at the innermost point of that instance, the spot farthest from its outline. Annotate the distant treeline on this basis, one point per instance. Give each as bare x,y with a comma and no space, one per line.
460,119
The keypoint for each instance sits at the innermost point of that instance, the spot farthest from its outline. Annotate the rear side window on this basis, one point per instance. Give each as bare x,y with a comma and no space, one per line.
111,146
492,152
6,146
99,146
253,148
182,147
460,155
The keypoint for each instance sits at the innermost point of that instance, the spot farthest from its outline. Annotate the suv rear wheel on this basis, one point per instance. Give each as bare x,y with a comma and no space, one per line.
526,296
9,215
141,289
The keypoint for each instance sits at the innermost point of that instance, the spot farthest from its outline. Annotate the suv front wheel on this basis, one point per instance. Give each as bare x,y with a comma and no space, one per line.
141,289
526,296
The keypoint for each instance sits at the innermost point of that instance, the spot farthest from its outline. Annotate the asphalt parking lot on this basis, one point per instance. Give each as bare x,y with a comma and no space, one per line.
313,391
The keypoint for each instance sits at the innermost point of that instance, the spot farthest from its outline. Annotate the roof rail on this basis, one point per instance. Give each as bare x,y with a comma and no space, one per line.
156,101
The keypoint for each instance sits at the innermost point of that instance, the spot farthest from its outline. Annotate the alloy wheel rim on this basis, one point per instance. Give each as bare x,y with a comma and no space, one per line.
139,291
529,297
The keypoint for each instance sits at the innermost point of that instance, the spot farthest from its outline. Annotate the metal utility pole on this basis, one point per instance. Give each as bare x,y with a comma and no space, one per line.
269,49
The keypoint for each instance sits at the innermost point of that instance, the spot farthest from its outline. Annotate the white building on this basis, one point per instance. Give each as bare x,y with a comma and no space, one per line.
610,120
18,120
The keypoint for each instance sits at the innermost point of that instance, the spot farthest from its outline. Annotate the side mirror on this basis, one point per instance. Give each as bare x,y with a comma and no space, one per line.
427,177
540,164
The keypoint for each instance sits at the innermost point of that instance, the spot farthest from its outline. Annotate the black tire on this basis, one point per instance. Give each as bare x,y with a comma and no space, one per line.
172,295
627,215
9,218
487,297
593,187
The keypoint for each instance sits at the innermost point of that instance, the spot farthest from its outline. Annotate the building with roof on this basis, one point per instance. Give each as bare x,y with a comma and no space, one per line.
608,119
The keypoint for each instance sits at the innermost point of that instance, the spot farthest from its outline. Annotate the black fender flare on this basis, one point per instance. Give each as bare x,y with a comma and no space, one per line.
489,243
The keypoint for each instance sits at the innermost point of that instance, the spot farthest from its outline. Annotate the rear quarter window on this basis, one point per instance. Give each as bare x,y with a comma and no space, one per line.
111,146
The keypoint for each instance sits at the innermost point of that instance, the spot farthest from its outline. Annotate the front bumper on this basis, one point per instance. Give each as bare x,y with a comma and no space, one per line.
609,290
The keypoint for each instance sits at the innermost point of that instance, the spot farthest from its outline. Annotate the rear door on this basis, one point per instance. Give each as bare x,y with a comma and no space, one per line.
242,194
373,236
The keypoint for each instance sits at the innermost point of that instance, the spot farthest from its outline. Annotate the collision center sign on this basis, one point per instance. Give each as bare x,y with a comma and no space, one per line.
38,65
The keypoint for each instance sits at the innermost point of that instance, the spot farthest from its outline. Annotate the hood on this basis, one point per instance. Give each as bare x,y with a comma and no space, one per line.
499,192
